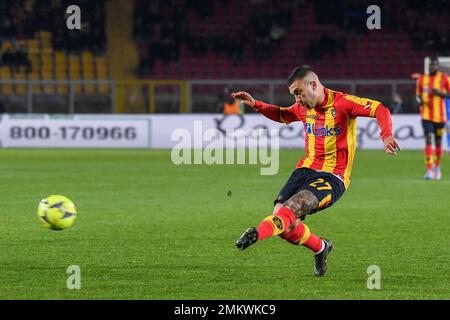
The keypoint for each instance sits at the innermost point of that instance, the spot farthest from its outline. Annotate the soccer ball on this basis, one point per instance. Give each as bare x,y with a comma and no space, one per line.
56,212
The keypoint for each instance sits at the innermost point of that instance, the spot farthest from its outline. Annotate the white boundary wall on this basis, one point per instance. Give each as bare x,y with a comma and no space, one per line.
155,131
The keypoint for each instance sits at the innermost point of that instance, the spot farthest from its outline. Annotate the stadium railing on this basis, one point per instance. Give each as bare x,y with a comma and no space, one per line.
172,96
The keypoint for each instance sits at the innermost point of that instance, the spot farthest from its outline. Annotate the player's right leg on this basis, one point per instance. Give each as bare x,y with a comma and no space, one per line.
327,189
428,129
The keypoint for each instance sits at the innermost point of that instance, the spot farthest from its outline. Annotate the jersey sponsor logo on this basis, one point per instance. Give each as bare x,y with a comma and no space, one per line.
318,130
312,116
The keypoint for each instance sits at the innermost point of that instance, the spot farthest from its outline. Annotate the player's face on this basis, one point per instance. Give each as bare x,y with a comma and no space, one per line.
433,66
304,92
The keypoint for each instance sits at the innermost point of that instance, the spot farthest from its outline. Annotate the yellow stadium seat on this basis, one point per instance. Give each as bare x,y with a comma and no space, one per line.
45,38
60,62
49,88
101,74
89,88
101,68
33,45
62,89
87,56
46,56
88,70
7,45
61,74
47,74
35,68
5,74
47,60
35,60
74,68
74,71
20,75
61,69
33,76
60,58
33,56
36,87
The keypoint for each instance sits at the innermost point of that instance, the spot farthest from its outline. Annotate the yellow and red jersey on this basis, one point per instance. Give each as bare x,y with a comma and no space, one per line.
330,129
433,106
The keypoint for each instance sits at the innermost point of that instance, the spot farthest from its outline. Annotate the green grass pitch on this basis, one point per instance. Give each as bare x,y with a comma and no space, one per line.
148,229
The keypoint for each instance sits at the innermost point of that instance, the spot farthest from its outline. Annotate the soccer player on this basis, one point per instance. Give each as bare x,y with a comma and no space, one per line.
323,174
431,90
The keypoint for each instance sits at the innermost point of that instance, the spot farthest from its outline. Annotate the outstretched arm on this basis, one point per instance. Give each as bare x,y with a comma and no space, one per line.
279,114
384,121
362,107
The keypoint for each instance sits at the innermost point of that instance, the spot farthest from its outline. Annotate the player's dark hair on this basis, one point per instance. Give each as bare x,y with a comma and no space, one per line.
299,73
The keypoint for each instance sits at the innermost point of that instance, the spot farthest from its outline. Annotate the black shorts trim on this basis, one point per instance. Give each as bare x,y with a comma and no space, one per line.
432,127
325,186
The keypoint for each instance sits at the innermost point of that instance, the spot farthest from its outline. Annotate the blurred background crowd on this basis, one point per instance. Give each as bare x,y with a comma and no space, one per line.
215,39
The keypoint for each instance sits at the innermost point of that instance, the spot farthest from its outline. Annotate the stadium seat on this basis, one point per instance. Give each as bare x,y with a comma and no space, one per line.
88,70
101,73
33,45
20,75
7,45
5,74
74,71
45,39
34,75
61,71
33,57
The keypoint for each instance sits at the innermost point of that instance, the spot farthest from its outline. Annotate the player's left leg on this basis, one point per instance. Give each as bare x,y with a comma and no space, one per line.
439,132
428,131
279,221
296,207
299,233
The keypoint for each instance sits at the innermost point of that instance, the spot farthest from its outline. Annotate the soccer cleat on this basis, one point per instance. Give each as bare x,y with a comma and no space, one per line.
320,263
429,175
248,238
437,173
